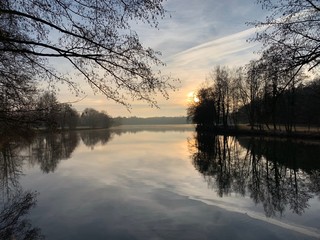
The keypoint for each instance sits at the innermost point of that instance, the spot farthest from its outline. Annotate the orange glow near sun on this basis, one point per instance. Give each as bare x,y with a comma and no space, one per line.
192,97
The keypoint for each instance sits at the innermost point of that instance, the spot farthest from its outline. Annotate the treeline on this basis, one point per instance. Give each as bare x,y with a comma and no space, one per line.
260,94
46,112
272,91
149,121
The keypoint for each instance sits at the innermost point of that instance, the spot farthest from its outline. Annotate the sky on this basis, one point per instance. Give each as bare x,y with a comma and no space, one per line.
197,36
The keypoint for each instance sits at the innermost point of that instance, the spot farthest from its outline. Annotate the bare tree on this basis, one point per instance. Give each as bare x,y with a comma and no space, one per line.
293,28
68,116
48,110
221,82
237,76
17,89
94,119
95,37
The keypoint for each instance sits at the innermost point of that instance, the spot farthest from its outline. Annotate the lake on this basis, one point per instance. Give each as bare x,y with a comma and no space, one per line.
159,182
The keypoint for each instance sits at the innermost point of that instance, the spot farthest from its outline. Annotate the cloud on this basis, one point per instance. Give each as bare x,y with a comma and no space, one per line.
194,22
197,36
226,50
192,65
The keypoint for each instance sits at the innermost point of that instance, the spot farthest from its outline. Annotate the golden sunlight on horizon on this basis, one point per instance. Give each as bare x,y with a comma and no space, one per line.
192,97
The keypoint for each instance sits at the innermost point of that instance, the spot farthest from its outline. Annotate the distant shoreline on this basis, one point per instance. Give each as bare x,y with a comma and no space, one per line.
133,126
240,130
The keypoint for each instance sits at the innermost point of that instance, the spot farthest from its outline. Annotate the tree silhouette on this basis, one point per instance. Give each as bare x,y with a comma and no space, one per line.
291,28
94,119
95,38
203,112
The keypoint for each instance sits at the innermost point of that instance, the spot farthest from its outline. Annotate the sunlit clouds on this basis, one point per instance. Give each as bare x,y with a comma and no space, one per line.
198,36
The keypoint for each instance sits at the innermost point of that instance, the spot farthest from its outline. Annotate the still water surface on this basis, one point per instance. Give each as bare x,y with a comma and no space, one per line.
159,183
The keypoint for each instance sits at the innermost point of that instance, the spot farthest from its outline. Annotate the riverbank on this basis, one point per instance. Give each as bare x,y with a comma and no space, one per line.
245,130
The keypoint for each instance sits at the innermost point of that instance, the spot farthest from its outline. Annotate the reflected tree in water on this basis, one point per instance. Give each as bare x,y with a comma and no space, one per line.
315,182
284,175
10,169
206,151
15,203
211,160
92,138
49,149
267,171
11,161
13,221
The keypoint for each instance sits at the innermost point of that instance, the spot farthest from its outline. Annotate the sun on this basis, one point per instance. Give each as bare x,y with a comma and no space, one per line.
192,97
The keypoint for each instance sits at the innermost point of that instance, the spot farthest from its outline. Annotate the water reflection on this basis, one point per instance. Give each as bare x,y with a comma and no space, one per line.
15,203
279,175
92,138
146,192
10,168
119,130
47,150
13,221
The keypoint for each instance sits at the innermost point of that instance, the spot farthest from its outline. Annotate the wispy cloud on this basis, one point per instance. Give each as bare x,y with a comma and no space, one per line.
193,65
226,50
197,36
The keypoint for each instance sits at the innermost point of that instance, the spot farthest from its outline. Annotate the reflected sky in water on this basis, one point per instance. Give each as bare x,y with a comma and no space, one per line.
143,184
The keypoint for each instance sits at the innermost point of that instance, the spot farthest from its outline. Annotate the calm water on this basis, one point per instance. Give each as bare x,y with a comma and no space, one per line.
159,183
